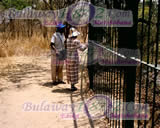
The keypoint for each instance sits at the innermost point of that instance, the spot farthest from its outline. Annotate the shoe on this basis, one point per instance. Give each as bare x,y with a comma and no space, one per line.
73,89
61,82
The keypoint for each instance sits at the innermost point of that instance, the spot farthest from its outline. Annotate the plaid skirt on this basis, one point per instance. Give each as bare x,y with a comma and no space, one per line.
72,67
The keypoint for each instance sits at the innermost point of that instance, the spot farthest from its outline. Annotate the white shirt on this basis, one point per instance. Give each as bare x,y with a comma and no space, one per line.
58,41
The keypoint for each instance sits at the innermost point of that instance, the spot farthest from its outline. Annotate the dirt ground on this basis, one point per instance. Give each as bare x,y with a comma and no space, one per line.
27,97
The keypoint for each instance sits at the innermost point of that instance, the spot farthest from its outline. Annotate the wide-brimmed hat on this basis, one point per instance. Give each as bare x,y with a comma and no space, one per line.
72,29
74,32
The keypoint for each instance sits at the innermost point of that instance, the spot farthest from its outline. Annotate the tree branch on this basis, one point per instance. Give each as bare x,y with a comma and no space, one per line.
48,5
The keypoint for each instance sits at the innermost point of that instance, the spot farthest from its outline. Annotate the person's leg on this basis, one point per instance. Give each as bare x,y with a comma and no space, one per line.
73,88
53,68
73,75
67,72
60,72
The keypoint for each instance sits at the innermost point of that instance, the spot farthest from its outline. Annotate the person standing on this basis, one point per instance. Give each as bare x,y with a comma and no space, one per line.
72,61
57,45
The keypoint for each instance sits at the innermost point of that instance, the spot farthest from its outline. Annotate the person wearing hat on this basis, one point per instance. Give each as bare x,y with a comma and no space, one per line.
72,61
57,45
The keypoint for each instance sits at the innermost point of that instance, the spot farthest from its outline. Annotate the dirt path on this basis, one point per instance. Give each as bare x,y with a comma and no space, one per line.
28,99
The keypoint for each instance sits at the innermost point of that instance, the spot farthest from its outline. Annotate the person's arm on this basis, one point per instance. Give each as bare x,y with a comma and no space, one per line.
52,44
80,46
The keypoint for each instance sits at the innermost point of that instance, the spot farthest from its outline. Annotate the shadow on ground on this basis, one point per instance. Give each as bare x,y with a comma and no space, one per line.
24,72
48,84
66,90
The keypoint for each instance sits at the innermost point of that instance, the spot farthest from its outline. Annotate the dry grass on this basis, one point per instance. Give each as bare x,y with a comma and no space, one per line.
35,46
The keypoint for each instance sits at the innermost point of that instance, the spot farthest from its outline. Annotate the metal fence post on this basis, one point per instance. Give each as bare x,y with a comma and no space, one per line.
128,40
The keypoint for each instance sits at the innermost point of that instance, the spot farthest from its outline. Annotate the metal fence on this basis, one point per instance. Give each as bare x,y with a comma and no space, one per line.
124,77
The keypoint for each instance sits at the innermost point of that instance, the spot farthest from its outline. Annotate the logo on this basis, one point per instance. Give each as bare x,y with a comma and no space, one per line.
98,106
80,14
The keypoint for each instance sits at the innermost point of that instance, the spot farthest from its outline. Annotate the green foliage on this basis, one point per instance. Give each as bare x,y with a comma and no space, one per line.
18,4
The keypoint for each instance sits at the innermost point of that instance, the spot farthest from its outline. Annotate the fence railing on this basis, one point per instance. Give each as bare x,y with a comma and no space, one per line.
128,78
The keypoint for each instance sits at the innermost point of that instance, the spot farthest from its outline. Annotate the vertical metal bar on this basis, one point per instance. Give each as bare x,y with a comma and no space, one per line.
91,36
117,97
95,83
112,37
130,90
105,87
111,87
105,80
90,66
141,49
152,53
123,95
108,81
130,70
114,94
156,62
120,94
102,81
109,84
115,38
148,53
